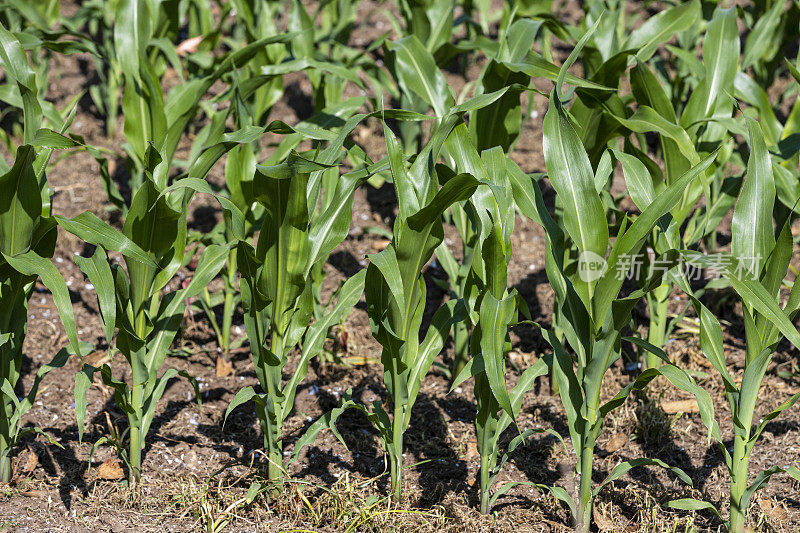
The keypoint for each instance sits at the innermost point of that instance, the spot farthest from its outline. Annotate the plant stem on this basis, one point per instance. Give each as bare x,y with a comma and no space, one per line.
585,495
485,488
229,308
137,402
135,454
460,348
396,456
5,467
5,457
738,483
275,470
5,445
272,440
136,437
658,302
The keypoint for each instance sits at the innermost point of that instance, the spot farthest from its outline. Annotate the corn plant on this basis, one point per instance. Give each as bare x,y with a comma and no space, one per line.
589,291
709,98
278,286
154,234
132,301
493,308
502,129
27,242
755,268
394,286
395,291
152,244
496,124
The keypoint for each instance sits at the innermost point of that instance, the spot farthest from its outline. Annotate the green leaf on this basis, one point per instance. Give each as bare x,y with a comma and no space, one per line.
243,396
690,504
456,189
30,264
83,380
752,234
762,37
647,119
131,35
20,204
348,297
495,318
638,180
536,66
760,480
202,186
646,38
574,55
98,271
328,421
15,64
609,284
623,467
417,72
92,230
571,175
721,58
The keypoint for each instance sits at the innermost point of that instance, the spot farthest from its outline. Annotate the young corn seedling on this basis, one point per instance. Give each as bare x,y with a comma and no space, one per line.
395,288
495,125
756,268
278,285
27,242
153,238
276,296
709,99
513,64
589,291
493,309
132,299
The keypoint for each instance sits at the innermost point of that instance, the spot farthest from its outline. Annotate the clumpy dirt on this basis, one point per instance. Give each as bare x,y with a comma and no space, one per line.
197,473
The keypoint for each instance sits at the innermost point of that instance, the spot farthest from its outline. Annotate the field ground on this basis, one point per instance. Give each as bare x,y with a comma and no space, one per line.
197,475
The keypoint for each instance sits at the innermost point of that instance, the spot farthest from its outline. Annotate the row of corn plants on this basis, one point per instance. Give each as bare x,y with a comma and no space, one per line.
673,107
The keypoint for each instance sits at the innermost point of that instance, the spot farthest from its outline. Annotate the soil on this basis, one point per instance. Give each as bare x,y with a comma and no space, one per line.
194,469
